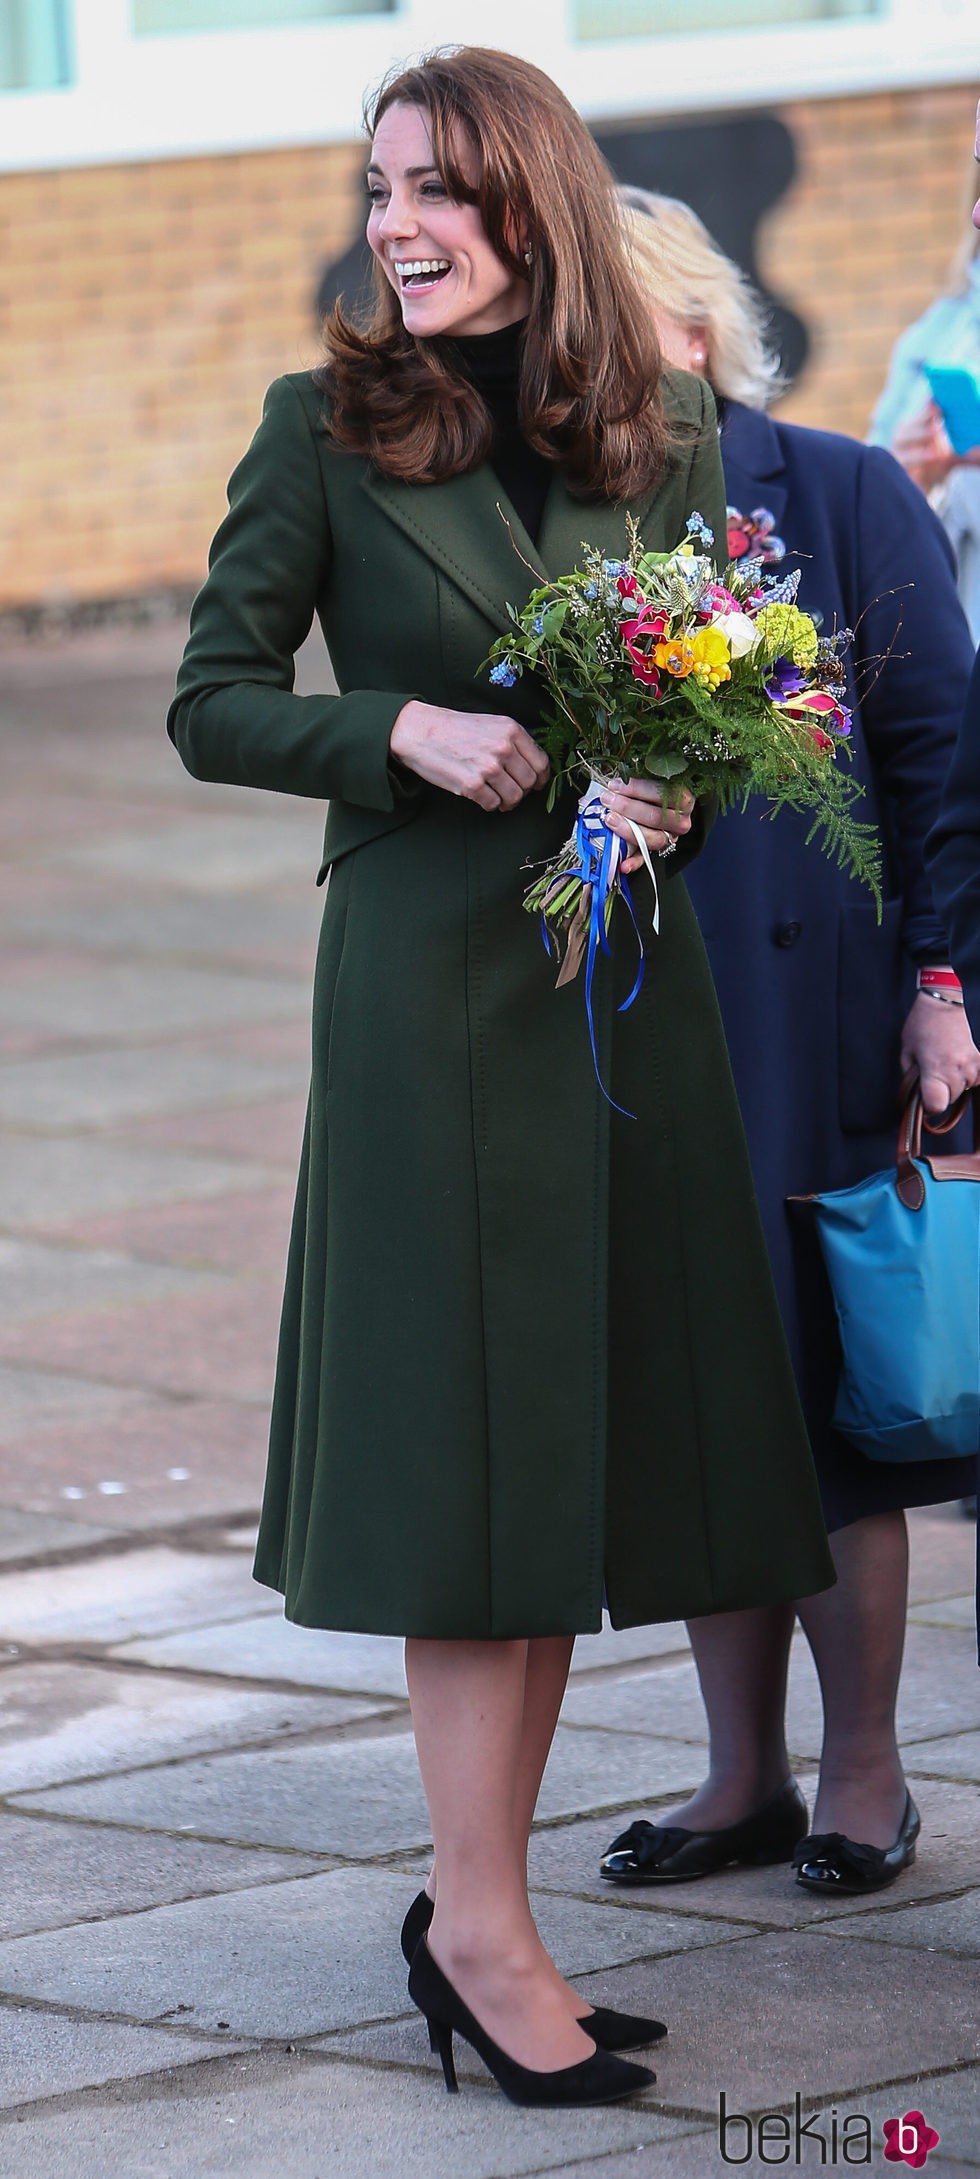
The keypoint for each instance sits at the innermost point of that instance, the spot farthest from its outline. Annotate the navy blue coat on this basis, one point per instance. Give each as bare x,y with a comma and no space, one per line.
953,854
812,990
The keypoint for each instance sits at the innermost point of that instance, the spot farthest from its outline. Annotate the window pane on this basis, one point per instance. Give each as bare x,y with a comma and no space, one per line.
175,16
33,45
641,18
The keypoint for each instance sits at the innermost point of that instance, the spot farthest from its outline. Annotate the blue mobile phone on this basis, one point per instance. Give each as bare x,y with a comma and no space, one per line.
957,397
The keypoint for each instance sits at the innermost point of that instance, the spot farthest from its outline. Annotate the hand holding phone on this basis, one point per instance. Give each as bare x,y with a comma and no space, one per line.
957,397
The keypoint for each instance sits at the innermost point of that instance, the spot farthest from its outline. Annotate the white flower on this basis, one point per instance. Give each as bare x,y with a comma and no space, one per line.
739,631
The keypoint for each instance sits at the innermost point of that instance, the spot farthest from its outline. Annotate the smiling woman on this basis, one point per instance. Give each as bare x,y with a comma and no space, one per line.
501,1392
433,249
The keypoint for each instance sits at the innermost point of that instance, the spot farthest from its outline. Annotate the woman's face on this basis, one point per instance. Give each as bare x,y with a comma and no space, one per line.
683,345
445,273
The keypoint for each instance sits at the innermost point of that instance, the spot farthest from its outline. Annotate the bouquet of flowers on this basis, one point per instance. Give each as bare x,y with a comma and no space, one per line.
659,665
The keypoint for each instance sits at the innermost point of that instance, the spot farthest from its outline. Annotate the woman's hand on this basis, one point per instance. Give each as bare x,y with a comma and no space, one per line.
641,800
938,1047
485,758
923,448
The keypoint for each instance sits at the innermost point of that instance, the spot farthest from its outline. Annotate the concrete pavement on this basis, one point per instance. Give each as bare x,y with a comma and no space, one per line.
211,1822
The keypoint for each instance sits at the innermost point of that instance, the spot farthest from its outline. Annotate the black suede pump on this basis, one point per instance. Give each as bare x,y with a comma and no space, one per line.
603,2078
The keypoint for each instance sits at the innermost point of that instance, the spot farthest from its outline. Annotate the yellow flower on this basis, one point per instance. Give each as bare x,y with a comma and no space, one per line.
712,657
676,657
788,633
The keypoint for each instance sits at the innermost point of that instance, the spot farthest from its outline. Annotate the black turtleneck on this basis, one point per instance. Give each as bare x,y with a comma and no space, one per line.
492,361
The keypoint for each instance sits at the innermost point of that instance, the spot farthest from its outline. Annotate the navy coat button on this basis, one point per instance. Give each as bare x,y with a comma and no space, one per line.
786,934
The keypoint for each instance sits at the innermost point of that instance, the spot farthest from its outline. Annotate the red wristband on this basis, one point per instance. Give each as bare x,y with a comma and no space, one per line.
937,979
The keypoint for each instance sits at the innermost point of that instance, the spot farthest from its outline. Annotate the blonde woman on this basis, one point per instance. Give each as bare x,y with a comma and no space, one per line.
822,1018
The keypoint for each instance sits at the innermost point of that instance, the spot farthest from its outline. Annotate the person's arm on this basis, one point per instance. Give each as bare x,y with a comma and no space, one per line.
912,660
909,714
953,854
234,717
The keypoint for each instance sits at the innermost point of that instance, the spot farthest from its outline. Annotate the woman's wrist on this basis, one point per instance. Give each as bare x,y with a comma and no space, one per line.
940,983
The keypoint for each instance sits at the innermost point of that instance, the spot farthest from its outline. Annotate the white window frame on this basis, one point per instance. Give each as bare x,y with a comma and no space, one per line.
158,97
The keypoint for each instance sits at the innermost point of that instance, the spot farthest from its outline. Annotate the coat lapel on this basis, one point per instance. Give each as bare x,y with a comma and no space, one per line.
468,527
753,461
458,526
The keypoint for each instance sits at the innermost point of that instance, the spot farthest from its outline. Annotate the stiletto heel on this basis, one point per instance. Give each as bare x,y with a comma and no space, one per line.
602,2078
607,2029
441,2041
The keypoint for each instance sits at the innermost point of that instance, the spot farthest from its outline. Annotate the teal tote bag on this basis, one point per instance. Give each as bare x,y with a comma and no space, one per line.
902,1252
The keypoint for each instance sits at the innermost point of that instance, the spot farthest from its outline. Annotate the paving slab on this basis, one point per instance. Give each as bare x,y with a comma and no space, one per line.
957,1757
55,1874
99,1089
267,1128
250,1227
938,1925
280,1960
297,1958
128,1002
43,2054
271,1648
939,1690
37,1278
565,1857
266,932
214,851
23,1535
34,1399
828,2016
162,1463
260,2115
942,1552
150,1591
67,1720
51,1182
947,1611
356,1799
218,1343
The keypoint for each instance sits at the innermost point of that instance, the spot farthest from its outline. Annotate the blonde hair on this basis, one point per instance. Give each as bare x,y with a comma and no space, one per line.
684,272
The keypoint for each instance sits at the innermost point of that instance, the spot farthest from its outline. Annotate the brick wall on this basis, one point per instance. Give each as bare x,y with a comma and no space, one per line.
147,307
864,240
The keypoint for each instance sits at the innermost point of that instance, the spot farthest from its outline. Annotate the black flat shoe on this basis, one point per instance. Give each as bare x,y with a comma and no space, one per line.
603,2078
609,2030
828,1862
653,1853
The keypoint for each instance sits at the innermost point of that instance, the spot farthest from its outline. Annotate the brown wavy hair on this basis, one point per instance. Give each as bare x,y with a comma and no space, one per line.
589,393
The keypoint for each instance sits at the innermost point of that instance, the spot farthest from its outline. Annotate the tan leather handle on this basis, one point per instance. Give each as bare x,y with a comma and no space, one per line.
909,1183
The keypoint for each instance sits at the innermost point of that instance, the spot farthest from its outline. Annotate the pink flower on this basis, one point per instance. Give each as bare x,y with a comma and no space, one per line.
720,600
640,637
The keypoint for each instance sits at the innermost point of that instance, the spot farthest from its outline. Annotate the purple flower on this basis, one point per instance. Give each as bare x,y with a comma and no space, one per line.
783,679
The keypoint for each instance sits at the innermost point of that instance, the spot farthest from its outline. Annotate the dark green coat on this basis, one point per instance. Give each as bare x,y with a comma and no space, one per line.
529,1347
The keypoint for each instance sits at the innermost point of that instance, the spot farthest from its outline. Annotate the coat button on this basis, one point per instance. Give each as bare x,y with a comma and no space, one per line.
786,934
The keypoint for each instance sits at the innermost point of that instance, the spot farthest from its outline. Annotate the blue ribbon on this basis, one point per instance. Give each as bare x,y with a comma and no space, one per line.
600,853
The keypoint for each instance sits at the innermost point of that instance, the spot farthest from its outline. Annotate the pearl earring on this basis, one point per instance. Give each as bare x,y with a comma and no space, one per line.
529,257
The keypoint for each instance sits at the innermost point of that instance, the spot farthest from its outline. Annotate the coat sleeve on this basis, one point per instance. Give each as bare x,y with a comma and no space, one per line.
234,716
953,854
913,656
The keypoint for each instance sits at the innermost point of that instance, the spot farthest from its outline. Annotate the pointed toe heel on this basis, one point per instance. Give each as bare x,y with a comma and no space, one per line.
603,2078
609,2030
